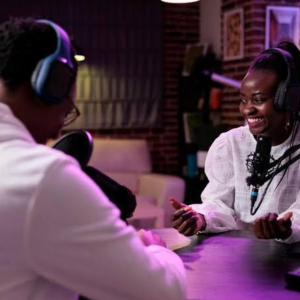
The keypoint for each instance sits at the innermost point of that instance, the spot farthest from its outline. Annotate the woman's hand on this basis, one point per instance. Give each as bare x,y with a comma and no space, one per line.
268,227
185,219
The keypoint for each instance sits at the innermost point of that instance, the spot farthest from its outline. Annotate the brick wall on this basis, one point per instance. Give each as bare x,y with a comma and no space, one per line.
181,27
254,43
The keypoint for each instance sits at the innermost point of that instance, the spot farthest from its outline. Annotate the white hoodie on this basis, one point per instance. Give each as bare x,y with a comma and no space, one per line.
60,235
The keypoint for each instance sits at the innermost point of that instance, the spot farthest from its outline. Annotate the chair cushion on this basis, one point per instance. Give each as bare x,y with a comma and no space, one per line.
148,211
145,210
149,199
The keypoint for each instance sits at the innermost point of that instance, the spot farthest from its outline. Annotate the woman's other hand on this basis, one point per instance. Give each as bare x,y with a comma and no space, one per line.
269,227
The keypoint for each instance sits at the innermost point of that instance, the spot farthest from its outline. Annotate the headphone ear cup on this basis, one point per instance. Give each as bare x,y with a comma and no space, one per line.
53,76
279,98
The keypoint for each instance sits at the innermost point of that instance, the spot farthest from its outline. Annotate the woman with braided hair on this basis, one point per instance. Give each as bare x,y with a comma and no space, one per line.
270,103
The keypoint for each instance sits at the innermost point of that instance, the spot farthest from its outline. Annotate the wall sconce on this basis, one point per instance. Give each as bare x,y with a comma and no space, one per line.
79,55
179,1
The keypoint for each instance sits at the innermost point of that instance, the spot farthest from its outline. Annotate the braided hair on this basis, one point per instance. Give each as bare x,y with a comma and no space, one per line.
275,63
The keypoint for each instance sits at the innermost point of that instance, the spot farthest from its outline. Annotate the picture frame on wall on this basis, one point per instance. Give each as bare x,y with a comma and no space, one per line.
233,34
282,24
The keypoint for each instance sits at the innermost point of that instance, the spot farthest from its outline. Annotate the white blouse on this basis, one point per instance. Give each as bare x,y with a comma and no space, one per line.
226,198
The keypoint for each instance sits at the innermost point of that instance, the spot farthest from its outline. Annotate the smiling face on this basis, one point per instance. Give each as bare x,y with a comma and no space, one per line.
257,105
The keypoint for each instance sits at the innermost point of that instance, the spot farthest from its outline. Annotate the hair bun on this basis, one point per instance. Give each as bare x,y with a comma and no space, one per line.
292,49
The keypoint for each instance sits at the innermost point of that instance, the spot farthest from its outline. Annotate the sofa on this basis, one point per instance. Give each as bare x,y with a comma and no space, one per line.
128,162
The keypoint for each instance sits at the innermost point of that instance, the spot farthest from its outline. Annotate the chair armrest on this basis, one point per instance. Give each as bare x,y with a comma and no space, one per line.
162,187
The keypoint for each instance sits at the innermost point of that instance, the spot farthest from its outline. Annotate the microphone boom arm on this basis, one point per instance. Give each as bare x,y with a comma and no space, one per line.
280,169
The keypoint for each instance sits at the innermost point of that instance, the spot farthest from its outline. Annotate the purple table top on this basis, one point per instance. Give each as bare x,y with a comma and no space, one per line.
237,265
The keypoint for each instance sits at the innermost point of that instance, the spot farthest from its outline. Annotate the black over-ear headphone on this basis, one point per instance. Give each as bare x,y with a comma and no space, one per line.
54,74
287,96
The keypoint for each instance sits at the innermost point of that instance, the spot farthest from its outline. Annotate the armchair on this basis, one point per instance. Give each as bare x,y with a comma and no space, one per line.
128,162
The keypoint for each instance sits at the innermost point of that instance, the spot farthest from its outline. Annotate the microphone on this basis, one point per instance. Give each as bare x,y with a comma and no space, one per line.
120,195
258,165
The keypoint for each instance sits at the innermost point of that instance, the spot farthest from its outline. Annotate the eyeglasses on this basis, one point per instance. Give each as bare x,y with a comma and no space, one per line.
72,115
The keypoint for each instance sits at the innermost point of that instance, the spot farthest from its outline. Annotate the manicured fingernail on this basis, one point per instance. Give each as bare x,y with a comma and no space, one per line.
187,208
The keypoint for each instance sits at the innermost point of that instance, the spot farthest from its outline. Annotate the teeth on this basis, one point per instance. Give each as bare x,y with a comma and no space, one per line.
253,120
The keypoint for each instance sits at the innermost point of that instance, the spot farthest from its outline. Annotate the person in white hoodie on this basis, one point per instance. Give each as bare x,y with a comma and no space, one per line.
60,235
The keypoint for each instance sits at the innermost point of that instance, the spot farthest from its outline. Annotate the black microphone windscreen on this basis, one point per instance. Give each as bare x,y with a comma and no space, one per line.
260,160
120,195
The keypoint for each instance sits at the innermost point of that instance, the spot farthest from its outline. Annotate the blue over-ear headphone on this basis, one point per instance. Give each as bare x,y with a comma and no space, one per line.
54,74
